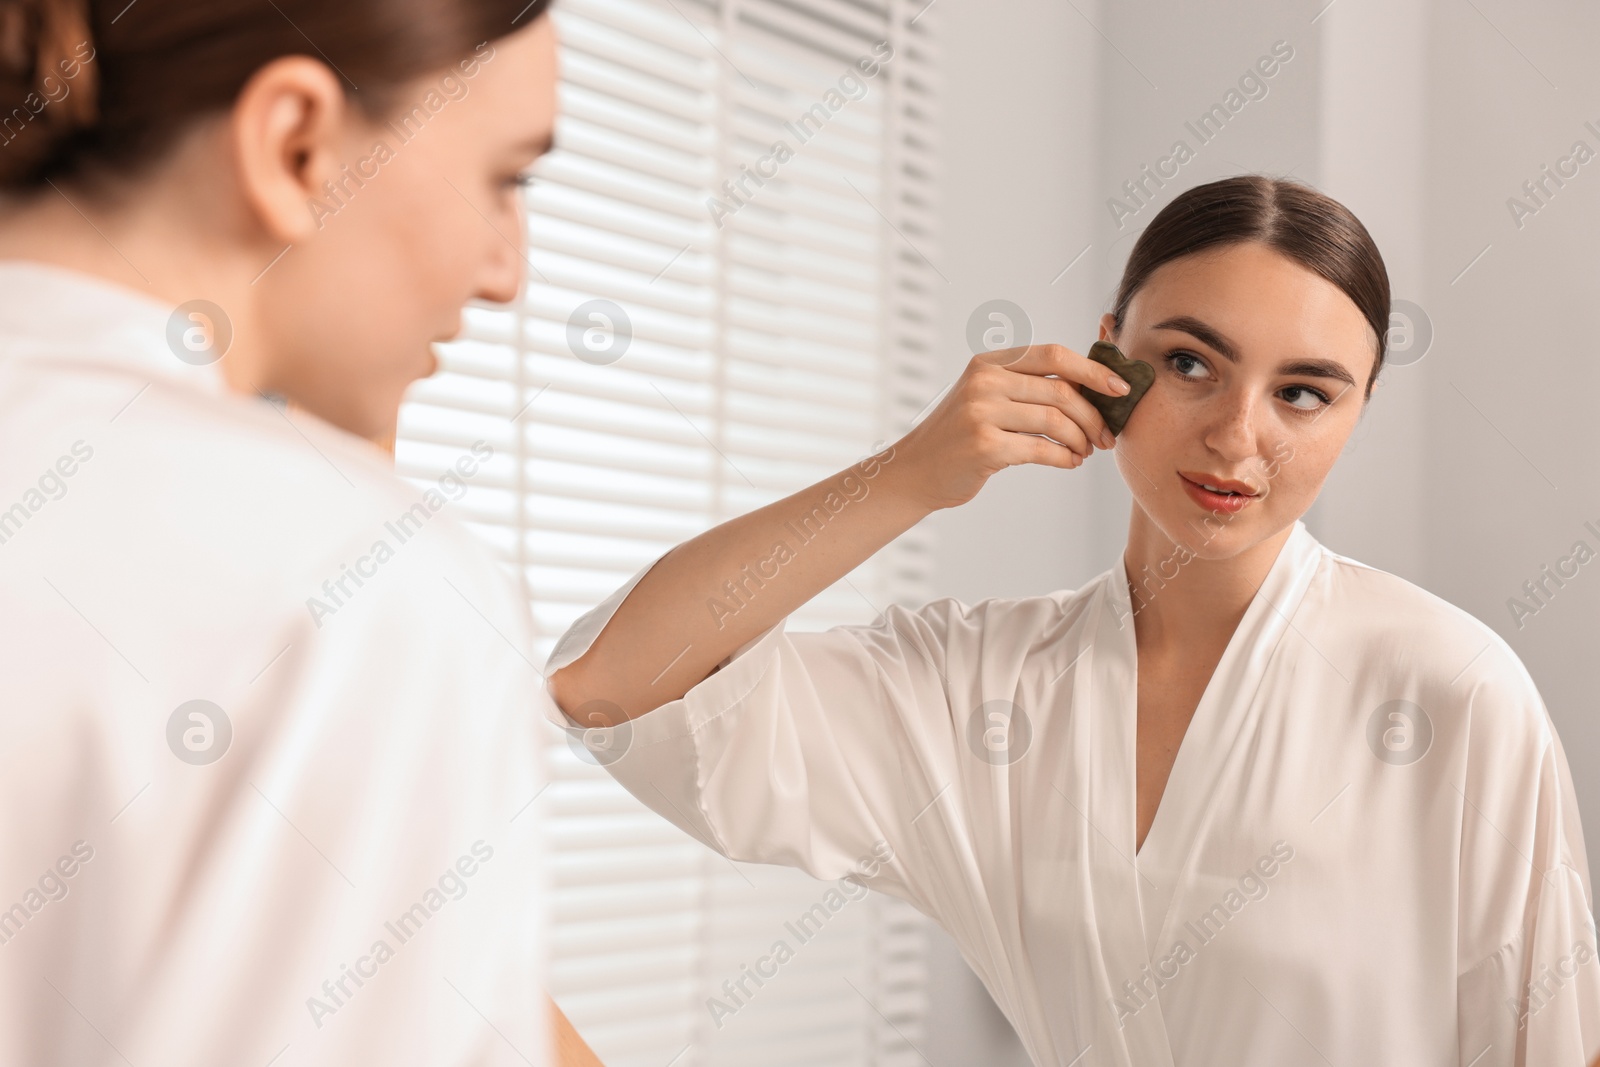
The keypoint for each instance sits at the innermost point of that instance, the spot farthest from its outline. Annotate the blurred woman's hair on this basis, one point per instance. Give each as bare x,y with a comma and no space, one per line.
95,88
1306,226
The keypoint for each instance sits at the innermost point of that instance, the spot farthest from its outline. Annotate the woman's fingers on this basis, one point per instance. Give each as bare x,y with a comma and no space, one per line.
1061,361
1045,375
1043,451
1061,396
1010,407
1046,419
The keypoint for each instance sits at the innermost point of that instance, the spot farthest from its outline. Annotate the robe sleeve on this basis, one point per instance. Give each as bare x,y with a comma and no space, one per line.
1529,991
810,750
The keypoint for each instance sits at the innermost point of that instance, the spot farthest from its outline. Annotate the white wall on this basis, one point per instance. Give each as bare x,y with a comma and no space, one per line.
1511,428
1019,87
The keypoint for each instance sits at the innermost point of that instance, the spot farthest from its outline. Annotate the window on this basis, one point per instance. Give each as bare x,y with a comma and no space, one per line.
685,351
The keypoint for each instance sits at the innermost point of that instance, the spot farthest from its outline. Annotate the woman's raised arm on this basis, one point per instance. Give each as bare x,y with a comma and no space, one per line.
715,592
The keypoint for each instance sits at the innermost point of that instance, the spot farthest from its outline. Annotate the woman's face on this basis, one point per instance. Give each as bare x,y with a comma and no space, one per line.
426,218
1261,369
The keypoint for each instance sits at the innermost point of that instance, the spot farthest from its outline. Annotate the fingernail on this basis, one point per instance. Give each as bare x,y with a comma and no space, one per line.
1107,441
1119,385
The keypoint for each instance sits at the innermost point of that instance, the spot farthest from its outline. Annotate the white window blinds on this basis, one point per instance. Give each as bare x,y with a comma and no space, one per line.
686,350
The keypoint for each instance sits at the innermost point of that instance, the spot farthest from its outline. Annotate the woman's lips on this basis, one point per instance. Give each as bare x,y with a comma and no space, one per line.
1232,504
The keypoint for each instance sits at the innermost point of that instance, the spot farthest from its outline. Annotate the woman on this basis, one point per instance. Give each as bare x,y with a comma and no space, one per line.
264,779
1239,800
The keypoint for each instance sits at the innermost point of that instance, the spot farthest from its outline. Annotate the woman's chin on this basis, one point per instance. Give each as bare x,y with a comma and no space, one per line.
1197,534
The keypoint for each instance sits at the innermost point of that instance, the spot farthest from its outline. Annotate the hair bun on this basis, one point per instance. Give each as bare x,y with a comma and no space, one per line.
48,88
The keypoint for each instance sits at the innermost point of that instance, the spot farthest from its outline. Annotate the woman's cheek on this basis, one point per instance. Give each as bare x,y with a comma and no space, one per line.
1152,417
1297,471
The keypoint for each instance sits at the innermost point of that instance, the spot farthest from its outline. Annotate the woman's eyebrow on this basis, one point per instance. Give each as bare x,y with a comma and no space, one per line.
1212,338
1202,332
1318,368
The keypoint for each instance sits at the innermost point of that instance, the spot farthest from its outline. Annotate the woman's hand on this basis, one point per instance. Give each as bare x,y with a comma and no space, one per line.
1012,406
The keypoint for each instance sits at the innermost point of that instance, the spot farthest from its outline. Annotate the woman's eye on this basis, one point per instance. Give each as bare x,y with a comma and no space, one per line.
523,180
1295,394
1185,363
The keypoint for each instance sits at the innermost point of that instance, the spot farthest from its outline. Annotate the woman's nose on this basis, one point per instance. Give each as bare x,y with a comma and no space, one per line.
502,279
1233,433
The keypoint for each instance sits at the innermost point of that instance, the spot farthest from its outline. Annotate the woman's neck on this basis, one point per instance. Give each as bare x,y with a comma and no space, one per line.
1192,605
154,245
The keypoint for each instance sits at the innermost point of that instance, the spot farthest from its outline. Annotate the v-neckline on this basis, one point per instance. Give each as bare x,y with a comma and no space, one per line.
1187,742
1183,739
1202,732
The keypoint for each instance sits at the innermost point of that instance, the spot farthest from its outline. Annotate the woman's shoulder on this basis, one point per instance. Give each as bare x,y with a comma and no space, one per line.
1390,603
1019,622
1441,649
237,499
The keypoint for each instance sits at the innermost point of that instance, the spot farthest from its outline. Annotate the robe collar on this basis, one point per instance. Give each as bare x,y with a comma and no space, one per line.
55,313
1225,706
1132,893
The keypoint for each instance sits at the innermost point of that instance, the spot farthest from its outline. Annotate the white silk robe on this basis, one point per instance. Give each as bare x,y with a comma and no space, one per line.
1331,877
189,885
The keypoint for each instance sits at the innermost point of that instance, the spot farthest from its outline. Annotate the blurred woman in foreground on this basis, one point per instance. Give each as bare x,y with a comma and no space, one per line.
267,711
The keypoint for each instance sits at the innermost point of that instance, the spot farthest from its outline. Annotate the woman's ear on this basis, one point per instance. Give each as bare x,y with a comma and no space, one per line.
287,130
1108,326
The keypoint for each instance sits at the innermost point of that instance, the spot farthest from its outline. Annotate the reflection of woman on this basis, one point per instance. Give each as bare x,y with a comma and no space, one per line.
1240,799
267,823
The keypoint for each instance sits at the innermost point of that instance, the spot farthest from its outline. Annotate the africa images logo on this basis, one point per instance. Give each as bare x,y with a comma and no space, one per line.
1399,732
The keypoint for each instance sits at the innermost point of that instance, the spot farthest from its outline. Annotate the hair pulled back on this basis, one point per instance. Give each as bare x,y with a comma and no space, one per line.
107,86
1306,226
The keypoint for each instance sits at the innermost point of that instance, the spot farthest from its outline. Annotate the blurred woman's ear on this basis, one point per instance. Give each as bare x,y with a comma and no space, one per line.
1108,325
286,130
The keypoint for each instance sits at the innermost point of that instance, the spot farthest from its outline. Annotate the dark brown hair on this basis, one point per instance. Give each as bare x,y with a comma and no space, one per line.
1295,220
106,85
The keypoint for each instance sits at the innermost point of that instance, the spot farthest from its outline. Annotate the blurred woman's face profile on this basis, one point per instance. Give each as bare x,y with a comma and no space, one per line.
422,214
1261,369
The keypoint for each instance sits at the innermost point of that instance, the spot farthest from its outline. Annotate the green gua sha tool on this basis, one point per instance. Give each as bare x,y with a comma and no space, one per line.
1136,372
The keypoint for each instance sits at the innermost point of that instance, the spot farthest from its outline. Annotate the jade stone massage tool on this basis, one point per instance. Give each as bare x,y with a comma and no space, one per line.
1136,372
